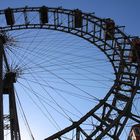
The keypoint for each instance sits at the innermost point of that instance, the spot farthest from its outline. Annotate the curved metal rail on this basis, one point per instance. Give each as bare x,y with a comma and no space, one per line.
113,118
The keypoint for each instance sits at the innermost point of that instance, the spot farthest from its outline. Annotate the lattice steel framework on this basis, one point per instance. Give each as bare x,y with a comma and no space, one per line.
113,118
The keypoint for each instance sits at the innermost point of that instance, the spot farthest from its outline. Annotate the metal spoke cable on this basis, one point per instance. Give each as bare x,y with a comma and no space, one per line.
52,98
45,107
66,100
37,43
26,73
73,67
28,79
26,51
77,66
42,52
64,91
24,117
94,98
45,69
40,108
77,54
85,75
44,99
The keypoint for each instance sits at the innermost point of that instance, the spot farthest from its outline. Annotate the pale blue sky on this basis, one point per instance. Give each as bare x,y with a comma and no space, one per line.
123,12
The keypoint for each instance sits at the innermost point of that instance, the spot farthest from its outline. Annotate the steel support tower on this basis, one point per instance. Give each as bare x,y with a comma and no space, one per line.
8,122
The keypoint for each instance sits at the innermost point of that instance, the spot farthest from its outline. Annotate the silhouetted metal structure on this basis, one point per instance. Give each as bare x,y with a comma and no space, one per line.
8,89
8,121
109,38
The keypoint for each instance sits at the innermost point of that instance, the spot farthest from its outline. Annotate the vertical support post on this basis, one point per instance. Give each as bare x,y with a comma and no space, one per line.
14,124
1,89
77,133
8,88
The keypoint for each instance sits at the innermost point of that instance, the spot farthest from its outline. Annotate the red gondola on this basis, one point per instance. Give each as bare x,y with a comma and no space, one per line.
136,47
43,14
78,18
9,15
109,29
134,133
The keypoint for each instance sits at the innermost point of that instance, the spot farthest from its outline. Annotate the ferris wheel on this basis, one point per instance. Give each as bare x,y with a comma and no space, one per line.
66,75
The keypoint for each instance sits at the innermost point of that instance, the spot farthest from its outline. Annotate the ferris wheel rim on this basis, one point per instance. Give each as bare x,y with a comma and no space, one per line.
119,70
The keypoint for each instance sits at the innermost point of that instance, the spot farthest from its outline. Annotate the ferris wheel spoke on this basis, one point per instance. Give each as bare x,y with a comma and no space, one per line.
62,96
67,92
39,106
61,78
46,84
24,117
46,92
86,68
72,85
88,71
49,103
35,54
26,51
